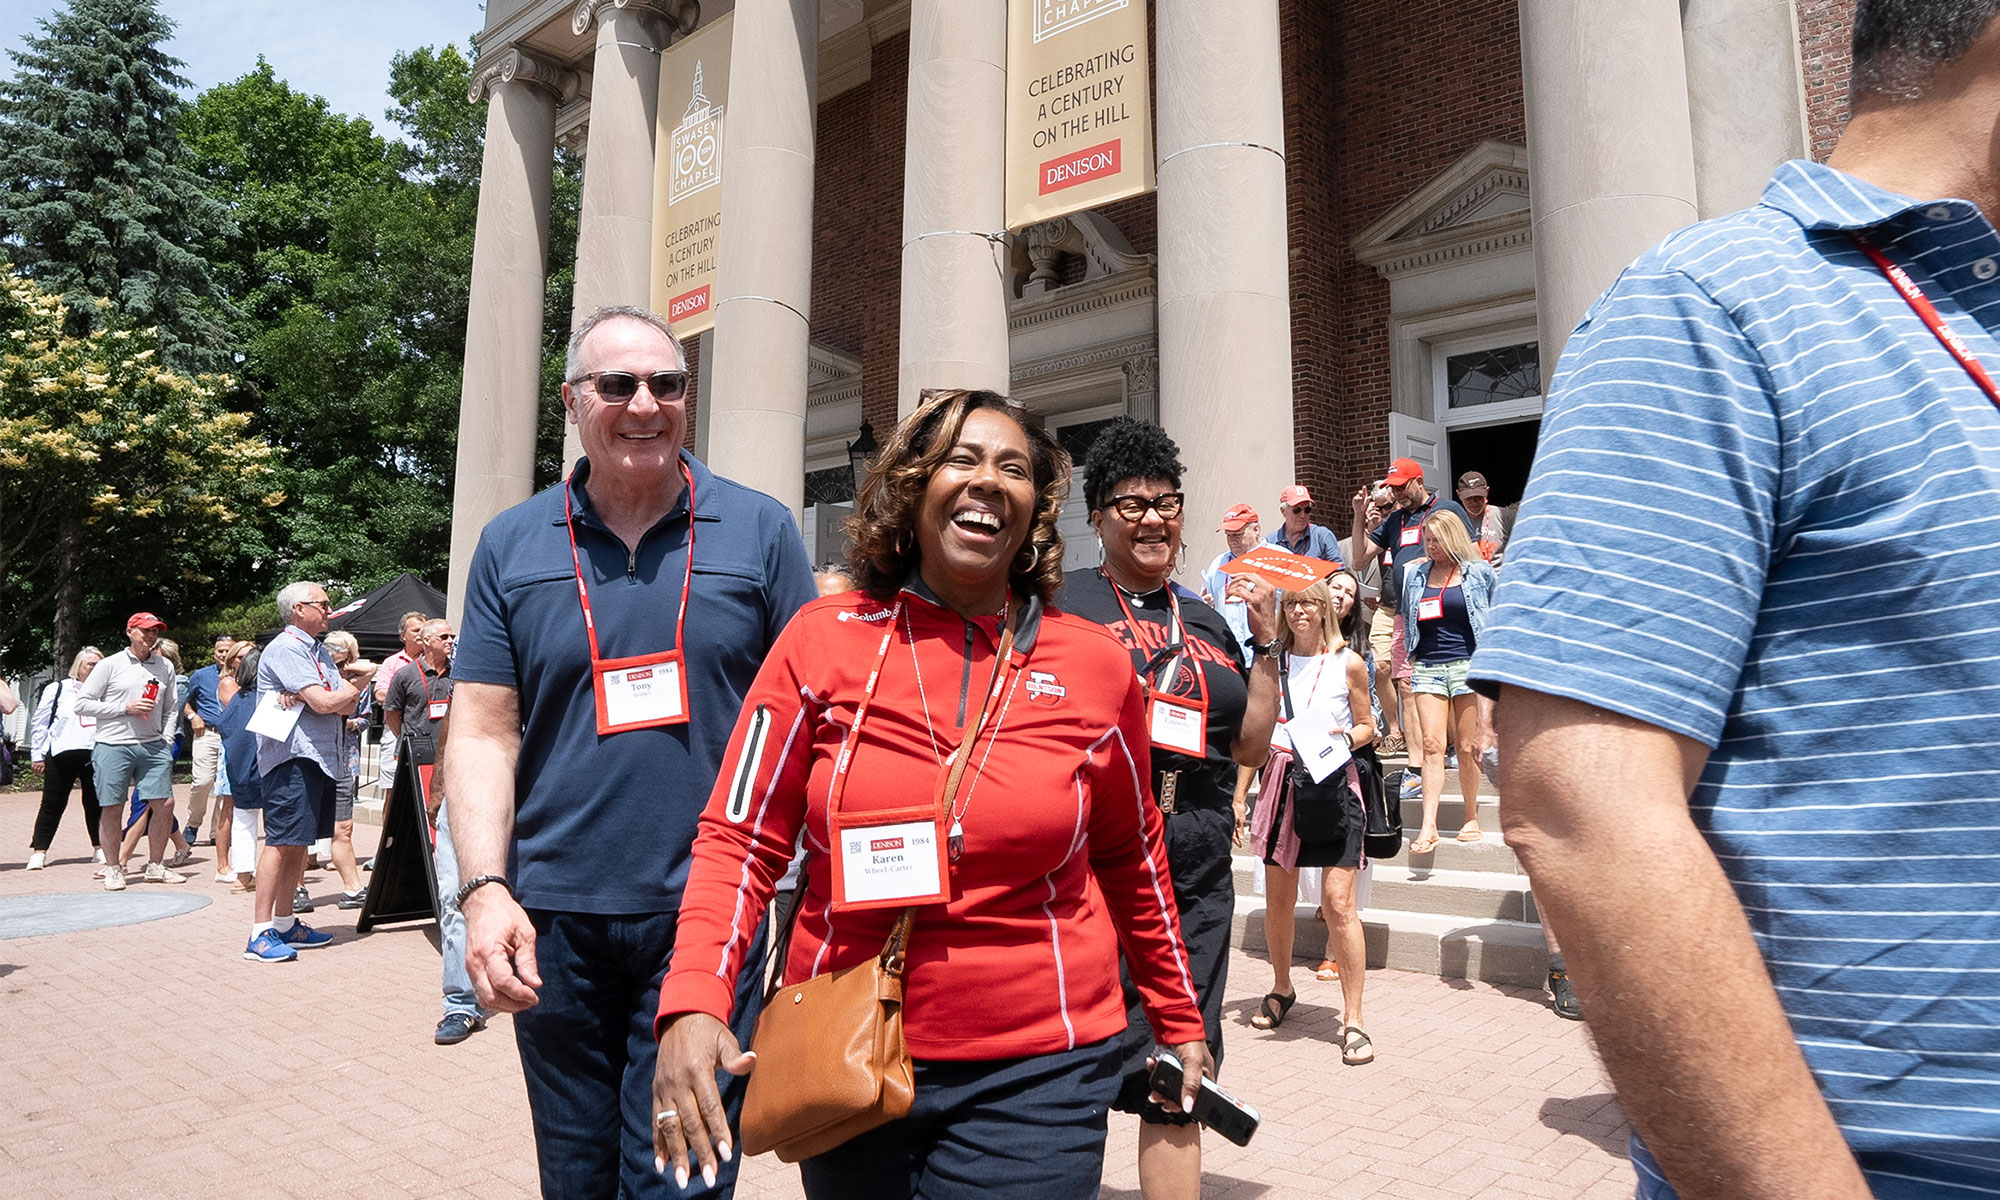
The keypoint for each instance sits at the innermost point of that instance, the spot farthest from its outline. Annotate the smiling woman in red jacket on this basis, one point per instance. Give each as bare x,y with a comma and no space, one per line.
1052,852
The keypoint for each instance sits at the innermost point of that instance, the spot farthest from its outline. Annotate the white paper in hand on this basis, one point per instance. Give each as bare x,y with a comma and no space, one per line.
1317,749
272,719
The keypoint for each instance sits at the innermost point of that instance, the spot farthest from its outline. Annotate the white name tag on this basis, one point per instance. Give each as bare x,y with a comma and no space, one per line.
1179,727
438,708
644,695
1412,534
895,862
1430,608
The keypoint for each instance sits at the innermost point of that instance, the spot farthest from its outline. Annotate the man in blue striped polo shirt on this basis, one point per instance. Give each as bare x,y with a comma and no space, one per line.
1747,648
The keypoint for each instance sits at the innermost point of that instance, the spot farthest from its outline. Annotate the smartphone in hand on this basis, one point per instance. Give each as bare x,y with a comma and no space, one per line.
1213,1107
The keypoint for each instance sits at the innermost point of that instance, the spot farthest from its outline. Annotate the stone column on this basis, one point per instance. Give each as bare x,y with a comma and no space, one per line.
1225,316
614,243
1746,96
500,394
1610,156
954,301
756,387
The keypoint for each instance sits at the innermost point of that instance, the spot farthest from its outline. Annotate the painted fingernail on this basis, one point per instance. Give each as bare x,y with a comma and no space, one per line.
659,1164
723,1149
681,1177
708,1174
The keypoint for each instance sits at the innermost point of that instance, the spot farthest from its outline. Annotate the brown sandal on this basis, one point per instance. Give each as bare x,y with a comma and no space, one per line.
1271,1011
1355,1048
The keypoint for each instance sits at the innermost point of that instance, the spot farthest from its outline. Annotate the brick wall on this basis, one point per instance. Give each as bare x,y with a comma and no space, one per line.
1826,44
1379,97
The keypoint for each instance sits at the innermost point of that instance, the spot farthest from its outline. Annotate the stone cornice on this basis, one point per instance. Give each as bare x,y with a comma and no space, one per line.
1137,286
1503,234
1429,229
513,66
829,395
1090,356
681,15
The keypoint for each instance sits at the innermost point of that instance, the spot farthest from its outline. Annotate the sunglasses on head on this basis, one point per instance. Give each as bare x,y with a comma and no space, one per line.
1134,508
619,387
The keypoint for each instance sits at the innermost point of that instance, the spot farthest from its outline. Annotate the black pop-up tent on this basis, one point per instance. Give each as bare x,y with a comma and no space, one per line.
375,617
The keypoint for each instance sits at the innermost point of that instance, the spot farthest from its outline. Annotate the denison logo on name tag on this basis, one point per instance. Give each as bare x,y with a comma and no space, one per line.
1179,727
648,693
890,862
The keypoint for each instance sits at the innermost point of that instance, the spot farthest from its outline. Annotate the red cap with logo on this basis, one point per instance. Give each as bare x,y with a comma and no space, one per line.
1294,496
1237,517
1402,471
144,620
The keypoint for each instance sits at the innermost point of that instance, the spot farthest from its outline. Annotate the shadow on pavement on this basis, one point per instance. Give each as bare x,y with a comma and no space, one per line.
1587,1117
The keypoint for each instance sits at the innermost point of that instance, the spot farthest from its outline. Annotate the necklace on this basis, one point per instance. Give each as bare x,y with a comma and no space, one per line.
955,838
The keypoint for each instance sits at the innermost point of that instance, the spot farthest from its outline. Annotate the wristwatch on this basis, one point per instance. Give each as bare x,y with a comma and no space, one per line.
1266,649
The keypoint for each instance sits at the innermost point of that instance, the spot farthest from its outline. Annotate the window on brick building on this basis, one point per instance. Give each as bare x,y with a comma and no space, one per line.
833,485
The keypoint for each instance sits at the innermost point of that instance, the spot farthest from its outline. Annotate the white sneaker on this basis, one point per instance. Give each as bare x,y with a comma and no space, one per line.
114,879
37,861
97,857
158,873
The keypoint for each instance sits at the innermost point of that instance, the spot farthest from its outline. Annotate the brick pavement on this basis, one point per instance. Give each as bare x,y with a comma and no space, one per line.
151,1060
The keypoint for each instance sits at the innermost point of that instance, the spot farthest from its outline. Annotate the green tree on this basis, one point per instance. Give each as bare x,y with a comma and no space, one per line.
96,196
117,473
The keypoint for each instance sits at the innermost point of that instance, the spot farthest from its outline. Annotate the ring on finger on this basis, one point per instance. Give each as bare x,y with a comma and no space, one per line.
663,1118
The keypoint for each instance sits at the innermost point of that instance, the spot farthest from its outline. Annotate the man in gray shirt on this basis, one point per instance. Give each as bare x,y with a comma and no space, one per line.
299,769
132,698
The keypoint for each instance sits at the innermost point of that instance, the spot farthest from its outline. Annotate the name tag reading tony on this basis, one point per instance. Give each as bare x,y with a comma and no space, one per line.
641,693
1178,725
888,863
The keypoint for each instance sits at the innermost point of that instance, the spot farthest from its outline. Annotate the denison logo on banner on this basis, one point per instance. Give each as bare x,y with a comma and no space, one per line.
1079,107
687,176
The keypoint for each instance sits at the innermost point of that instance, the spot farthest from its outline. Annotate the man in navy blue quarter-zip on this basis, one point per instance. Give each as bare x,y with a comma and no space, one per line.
612,626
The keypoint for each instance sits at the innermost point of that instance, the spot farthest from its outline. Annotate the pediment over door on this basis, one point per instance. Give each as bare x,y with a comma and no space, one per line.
1475,208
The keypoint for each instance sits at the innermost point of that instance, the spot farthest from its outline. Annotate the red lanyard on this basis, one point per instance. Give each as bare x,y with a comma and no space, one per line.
312,648
1176,633
1931,317
423,681
837,790
583,592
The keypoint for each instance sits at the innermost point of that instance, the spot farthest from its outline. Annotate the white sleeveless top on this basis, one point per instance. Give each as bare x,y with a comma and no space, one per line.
1319,693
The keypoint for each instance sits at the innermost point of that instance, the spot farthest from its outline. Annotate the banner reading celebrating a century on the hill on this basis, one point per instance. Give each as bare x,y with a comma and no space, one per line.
1079,106
687,176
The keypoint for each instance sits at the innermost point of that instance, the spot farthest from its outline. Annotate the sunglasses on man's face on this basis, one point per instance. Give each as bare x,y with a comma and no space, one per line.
619,387
1134,508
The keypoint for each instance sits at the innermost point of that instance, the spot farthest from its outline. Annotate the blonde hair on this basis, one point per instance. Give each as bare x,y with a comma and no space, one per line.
1329,625
1450,533
76,664
340,639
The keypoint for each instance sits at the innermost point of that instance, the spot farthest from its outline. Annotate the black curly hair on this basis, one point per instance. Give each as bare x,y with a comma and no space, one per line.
1128,448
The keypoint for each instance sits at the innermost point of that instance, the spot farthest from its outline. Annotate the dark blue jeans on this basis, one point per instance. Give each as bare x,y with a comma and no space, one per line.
587,1054
1006,1129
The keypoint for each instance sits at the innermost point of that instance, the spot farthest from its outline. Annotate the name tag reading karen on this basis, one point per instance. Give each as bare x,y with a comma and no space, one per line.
1178,725
896,863
641,693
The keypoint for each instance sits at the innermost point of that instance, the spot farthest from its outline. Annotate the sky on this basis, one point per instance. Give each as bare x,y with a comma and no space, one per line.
339,49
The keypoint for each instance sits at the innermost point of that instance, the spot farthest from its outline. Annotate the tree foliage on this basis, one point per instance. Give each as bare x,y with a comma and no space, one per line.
96,197
115,469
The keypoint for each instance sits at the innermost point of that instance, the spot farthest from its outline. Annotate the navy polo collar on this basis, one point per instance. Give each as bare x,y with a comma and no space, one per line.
705,484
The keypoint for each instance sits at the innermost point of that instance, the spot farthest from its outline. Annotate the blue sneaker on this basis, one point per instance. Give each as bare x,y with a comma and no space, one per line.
269,947
302,936
1413,785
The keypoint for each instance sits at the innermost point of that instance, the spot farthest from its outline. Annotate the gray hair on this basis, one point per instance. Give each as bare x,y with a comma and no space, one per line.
291,596
573,360
1900,44
76,664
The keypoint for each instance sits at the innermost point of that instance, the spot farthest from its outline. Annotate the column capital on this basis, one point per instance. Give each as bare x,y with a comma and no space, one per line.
514,66
681,16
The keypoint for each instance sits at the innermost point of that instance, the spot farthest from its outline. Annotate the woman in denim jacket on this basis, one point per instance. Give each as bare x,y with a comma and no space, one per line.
1444,600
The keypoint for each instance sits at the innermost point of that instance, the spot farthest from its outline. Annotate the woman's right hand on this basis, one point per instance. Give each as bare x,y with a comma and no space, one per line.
687,1108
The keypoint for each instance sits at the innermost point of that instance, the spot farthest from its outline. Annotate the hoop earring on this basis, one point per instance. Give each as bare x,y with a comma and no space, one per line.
1100,549
902,548
1180,559
1034,562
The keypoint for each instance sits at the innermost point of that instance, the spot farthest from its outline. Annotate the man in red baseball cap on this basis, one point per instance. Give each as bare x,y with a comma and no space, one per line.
132,698
1298,534
1239,528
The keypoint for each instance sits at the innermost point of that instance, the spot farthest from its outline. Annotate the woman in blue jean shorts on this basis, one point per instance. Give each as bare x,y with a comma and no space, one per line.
1445,597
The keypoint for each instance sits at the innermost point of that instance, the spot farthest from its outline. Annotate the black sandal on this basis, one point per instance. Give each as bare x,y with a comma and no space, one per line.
1271,1011
1350,1050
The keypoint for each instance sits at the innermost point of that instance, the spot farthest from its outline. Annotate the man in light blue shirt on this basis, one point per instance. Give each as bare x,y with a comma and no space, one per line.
1745,649
1297,532
1239,529
299,769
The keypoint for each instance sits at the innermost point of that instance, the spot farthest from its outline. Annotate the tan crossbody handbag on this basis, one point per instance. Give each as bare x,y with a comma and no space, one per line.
831,1060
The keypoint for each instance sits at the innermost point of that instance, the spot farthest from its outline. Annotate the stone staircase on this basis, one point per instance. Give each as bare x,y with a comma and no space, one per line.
1463,911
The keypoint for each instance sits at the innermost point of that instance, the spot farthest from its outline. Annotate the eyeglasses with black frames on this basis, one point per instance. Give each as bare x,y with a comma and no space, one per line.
620,387
1134,508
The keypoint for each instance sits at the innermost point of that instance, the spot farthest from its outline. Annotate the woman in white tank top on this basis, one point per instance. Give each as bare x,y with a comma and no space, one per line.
1328,688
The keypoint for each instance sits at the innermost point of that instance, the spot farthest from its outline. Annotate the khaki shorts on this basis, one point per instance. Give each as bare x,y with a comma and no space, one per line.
1381,633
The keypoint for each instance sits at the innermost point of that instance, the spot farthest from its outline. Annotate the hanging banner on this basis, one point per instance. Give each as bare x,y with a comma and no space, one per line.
1079,106
687,176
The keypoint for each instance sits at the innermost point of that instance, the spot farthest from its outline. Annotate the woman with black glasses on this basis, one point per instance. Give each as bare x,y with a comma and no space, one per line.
1205,714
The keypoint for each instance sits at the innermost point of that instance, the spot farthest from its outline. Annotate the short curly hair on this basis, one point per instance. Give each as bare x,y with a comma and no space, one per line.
883,527
1128,448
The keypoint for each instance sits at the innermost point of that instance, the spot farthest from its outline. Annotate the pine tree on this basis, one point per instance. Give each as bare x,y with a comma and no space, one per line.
96,196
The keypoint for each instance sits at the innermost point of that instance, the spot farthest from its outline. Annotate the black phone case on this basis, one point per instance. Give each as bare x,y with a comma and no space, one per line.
1213,1107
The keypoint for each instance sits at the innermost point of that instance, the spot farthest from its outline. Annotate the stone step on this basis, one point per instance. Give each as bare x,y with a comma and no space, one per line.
1487,854
1445,946
1451,814
1486,895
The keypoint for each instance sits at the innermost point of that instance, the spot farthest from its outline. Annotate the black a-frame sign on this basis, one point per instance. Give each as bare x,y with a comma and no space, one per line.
403,886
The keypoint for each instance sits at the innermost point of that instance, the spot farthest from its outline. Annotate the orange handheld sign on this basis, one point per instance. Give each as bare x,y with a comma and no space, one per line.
1281,568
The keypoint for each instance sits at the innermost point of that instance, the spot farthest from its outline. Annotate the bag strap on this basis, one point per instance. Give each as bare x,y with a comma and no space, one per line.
1285,681
892,957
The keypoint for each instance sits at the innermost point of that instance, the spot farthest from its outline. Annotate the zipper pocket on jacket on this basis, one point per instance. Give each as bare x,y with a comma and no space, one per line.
747,763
